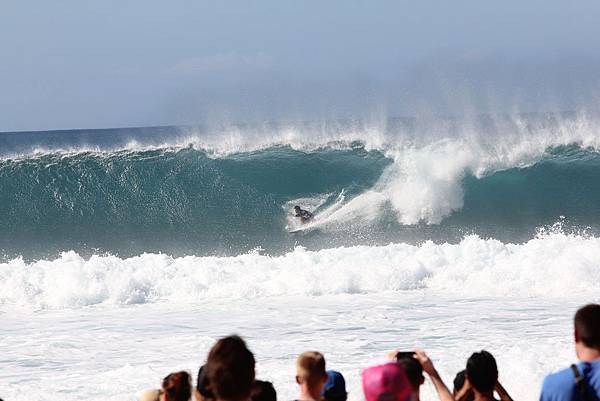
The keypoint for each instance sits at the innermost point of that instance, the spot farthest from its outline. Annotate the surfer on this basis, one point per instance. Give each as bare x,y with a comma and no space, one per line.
305,215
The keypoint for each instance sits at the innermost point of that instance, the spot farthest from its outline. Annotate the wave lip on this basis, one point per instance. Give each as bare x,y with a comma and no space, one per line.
506,136
552,265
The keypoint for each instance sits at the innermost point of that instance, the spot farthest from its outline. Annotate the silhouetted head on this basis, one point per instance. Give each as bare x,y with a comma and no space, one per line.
413,370
587,326
482,371
296,208
459,381
203,386
230,369
177,386
335,387
263,391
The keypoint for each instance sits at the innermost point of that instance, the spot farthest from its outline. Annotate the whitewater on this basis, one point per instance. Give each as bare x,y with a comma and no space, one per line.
125,253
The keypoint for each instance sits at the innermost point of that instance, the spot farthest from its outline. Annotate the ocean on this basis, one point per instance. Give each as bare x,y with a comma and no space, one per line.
125,253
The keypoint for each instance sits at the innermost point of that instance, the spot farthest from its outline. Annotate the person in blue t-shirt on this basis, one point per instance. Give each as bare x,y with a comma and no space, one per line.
580,382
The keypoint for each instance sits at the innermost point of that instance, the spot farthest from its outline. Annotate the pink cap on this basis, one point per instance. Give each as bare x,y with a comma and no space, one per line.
385,383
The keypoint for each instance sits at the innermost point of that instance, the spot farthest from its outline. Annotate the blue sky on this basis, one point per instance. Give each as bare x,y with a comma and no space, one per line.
80,63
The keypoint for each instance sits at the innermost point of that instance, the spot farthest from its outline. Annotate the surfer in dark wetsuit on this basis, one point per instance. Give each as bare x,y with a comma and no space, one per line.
305,215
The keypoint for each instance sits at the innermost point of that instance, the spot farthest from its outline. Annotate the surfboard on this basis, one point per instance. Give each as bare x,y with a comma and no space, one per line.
296,228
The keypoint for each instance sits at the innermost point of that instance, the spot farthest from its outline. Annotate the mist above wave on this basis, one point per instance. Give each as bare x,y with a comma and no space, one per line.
505,133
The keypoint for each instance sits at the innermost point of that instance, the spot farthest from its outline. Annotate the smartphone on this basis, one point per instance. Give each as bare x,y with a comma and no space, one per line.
402,355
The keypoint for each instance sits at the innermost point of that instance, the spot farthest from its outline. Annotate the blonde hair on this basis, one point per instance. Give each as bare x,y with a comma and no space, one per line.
310,366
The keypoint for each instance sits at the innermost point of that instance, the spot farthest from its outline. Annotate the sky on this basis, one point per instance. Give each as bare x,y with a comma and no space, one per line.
96,64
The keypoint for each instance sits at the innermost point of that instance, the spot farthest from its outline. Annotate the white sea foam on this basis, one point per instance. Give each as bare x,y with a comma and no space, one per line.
553,264
114,352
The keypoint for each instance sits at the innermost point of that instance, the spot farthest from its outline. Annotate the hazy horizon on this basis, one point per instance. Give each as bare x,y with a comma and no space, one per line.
81,64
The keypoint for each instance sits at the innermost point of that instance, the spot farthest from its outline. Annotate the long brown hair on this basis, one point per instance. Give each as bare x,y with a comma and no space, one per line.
230,369
177,386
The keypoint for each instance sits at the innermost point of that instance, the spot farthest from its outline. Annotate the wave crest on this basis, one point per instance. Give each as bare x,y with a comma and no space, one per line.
551,265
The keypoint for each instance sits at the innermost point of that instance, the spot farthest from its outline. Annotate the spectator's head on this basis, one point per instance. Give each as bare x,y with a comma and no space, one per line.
482,372
459,382
263,391
177,387
413,370
202,385
587,329
297,208
335,387
230,370
310,373
386,383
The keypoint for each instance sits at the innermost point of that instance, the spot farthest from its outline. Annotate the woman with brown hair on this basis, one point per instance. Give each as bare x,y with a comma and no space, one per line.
175,387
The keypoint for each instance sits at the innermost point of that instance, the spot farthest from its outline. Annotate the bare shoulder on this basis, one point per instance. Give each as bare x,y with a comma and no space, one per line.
150,395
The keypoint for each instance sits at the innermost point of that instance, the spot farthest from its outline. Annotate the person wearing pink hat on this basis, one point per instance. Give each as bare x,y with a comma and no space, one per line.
385,383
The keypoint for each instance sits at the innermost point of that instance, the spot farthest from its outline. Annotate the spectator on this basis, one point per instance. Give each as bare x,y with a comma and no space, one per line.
203,392
414,364
414,373
230,370
580,382
385,382
459,382
335,387
481,379
311,375
175,387
263,391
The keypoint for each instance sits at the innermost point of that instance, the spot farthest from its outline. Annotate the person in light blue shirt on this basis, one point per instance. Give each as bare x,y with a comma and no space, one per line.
580,382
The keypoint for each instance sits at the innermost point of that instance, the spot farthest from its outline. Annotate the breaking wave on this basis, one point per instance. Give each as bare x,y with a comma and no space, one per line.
551,265
224,192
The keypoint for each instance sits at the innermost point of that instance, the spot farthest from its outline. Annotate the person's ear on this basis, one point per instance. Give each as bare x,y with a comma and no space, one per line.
422,379
298,381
